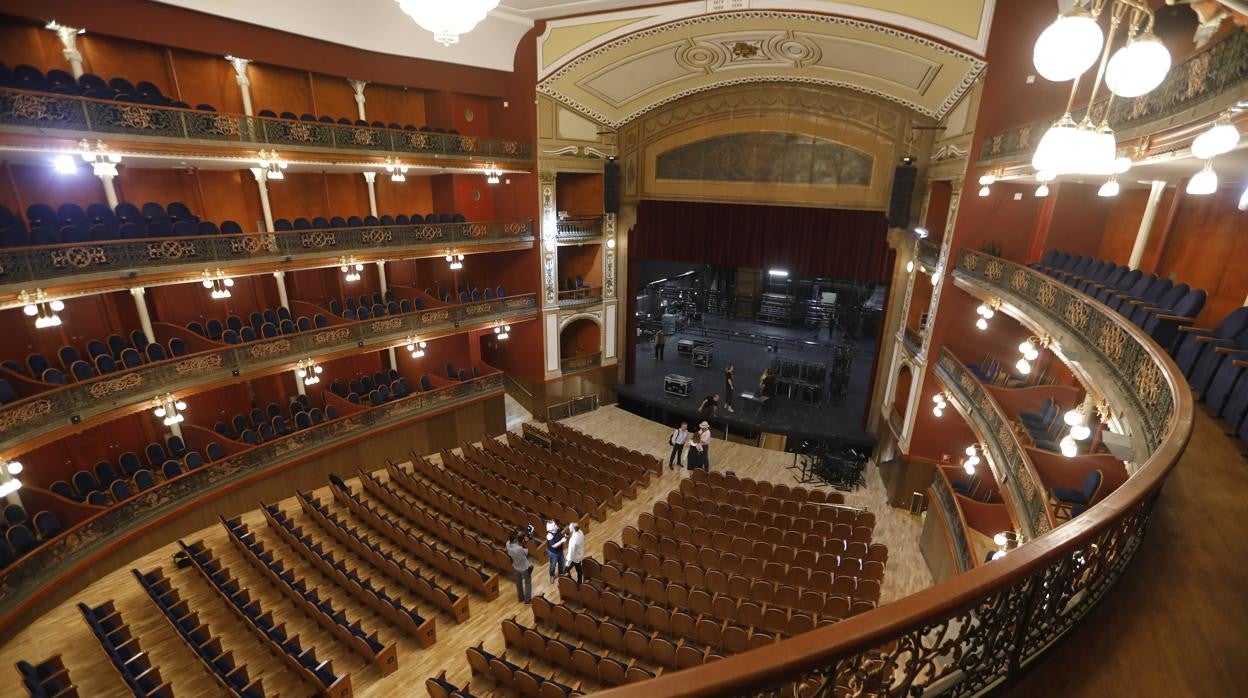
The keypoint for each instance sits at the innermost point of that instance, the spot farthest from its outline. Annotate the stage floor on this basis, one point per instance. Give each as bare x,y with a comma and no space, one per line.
792,417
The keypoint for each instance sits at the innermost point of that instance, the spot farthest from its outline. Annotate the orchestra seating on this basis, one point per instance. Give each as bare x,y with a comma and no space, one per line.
47,679
132,663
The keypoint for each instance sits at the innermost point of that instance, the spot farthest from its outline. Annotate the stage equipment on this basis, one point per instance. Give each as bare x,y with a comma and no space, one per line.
675,384
702,355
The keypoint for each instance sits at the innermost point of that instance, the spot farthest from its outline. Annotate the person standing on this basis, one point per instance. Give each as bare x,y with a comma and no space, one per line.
678,439
660,341
523,568
730,387
576,551
709,406
554,548
702,442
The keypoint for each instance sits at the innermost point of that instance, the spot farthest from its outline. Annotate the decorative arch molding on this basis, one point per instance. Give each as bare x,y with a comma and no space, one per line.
621,76
818,120
595,317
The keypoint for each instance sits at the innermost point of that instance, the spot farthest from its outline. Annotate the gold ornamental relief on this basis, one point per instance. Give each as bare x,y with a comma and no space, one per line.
1019,280
1047,295
198,364
105,388
17,416
478,309
994,269
1077,315
258,351
1112,341
387,325
331,336
435,316
1148,382
971,261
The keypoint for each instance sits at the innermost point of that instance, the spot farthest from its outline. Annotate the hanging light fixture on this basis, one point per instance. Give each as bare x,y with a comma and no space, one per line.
396,169
169,409
1138,67
972,459
985,311
447,20
941,402
416,347
103,163
1068,46
455,260
218,283
1005,542
1110,188
10,486
350,269
41,308
13,467
272,164
492,173
1042,191
308,371
1219,138
1204,182
502,331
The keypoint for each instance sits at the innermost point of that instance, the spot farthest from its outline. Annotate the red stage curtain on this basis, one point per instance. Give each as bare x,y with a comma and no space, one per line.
833,243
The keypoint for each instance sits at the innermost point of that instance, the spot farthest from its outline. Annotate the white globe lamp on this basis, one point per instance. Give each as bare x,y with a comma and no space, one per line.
1138,67
1069,46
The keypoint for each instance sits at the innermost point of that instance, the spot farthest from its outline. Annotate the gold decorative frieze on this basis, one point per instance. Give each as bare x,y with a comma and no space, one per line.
10,418
331,336
280,346
104,388
198,364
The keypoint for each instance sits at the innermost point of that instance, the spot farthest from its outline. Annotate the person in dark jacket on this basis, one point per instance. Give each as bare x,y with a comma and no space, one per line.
554,548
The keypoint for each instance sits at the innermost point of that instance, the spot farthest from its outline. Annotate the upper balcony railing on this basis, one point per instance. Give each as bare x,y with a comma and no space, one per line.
67,407
46,114
578,227
945,502
1027,495
23,582
581,363
127,259
973,632
585,295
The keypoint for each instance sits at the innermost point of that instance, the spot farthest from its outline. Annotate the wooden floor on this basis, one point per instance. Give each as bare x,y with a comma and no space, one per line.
63,630
1176,623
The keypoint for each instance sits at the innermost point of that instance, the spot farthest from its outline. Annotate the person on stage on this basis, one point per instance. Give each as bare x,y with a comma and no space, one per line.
730,387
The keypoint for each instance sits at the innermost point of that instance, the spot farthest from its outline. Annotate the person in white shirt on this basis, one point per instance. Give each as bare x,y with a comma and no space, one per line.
576,551
702,447
678,439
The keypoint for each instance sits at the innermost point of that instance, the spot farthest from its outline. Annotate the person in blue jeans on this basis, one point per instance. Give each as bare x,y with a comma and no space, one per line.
554,548
523,568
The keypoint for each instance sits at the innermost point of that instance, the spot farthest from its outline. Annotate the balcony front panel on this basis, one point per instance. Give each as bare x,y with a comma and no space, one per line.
580,363
49,266
66,408
57,557
77,117
578,228
945,503
1028,497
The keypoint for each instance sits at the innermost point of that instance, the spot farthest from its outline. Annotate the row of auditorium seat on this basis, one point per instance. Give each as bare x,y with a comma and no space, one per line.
594,664
70,223
119,89
262,426
102,357
1154,304
1215,362
124,652
20,534
47,679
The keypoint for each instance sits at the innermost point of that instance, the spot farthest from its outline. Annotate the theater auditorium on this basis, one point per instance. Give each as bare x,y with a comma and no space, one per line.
550,348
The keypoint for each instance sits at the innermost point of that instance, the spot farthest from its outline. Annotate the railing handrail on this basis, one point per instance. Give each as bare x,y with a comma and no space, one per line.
456,312
516,152
821,649
943,477
244,463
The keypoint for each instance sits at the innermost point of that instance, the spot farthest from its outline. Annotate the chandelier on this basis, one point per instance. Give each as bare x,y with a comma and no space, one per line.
447,20
168,409
42,308
350,268
272,164
308,371
455,260
218,283
103,163
1067,49
396,169
416,346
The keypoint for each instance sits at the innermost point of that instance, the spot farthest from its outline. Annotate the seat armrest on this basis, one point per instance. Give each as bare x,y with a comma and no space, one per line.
1177,318
1193,328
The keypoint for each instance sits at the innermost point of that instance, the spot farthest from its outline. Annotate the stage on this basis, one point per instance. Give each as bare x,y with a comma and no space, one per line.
740,343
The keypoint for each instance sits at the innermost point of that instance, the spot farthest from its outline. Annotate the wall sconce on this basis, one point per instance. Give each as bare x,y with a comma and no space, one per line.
502,331
942,400
350,268
1030,349
272,164
492,173
308,371
396,169
43,310
102,162
416,346
972,459
455,260
985,182
10,486
168,409
218,283
985,311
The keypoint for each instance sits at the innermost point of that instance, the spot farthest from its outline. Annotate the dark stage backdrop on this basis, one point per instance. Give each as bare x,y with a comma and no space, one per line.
833,243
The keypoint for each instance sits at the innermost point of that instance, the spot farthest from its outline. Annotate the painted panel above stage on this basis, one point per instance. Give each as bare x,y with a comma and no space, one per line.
780,144
767,157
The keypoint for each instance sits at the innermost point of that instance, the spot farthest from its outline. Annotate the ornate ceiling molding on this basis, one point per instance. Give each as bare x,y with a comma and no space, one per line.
631,75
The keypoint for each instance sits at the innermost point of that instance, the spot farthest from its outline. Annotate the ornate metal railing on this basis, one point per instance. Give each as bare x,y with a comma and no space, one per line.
1218,74
75,546
581,363
44,112
588,295
575,227
945,504
122,259
1013,467
78,402
928,253
912,342
976,631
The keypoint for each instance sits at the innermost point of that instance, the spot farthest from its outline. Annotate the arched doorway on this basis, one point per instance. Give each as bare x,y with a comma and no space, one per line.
580,345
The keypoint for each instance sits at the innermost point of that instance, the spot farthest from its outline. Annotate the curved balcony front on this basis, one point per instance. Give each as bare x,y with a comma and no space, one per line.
45,416
113,264
976,631
71,117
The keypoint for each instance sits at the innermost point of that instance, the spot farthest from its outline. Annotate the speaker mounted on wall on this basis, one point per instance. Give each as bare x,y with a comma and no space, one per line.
903,191
611,185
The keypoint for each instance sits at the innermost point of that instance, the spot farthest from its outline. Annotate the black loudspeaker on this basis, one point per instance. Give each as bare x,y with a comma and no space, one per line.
903,191
611,186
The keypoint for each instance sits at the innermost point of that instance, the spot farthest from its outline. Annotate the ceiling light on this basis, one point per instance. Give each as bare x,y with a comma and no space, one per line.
778,272
1243,200
272,164
1109,188
987,179
970,450
14,467
1056,145
981,324
1068,447
416,347
1204,182
1080,432
1069,46
984,190
1023,366
43,310
168,409
447,20
1218,139
921,232
1138,67
1042,191
455,260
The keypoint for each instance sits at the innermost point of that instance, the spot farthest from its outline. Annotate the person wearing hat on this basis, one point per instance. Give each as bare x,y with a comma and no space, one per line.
701,448
554,548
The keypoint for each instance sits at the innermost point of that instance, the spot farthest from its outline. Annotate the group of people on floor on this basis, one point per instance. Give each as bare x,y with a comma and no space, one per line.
699,446
565,550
